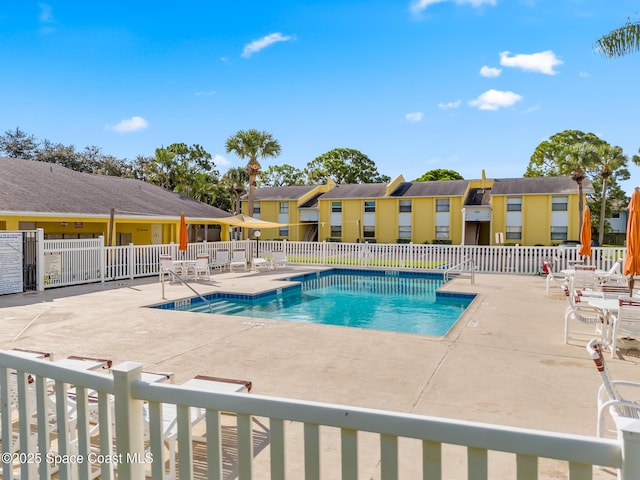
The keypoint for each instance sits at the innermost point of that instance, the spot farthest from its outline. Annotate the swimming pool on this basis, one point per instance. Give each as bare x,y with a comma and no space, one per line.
393,301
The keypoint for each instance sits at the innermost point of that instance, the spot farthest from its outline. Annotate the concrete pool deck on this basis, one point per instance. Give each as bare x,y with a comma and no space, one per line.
505,361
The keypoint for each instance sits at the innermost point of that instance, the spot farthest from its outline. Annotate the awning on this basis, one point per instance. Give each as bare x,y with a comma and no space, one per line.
248,222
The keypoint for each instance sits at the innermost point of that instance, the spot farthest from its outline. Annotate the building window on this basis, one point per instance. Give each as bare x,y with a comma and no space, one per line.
559,233
559,204
514,204
368,232
336,207
283,232
442,232
442,205
256,208
405,206
404,232
284,207
336,231
514,233
369,207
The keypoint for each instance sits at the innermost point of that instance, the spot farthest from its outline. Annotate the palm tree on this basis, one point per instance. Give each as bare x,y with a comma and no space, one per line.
575,160
253,144
610,159
621,41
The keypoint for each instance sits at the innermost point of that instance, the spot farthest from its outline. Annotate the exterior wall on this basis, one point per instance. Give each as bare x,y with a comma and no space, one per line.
126,230
387,220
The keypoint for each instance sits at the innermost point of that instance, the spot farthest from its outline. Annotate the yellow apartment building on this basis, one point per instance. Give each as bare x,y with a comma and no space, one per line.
525,211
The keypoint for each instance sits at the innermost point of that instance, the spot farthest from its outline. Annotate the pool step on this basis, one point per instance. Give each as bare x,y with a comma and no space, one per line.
223,307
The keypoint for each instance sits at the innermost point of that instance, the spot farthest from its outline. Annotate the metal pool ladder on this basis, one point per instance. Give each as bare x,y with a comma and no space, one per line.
465,269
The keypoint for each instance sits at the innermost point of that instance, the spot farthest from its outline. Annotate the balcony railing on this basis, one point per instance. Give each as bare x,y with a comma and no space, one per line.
65,423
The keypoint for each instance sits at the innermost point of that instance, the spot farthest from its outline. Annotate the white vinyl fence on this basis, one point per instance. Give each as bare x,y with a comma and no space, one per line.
71,262
333,441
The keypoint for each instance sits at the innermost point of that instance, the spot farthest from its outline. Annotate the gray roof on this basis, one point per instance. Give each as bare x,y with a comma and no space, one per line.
281,193
440,188
41,187
353,190
541,185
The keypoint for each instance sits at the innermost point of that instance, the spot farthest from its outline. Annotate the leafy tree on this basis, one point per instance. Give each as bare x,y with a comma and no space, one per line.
235,182
61,155
344,165
575,159
439,174
252,144
580,155
282,175
610,160
621,41
17,144
161,170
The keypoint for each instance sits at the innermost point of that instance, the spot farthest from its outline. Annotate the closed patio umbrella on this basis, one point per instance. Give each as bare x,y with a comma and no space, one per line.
632,256
585,234
184,237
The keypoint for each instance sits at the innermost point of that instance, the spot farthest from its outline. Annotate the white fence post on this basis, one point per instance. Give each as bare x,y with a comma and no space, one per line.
40,260
129,421
629,436
131,264
103,259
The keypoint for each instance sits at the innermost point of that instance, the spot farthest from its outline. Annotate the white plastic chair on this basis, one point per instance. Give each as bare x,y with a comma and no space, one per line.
554,276
220,260
579,313
201,267
627,323
238,259
609,398
279,259
166,267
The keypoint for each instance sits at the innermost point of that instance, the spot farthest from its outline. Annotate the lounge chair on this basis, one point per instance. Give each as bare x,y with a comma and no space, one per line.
201,267
169,413
279,259
261,263
627,322
238,259
585,277
609,398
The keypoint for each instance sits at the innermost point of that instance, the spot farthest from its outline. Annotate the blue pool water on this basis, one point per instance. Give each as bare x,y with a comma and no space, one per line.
392,301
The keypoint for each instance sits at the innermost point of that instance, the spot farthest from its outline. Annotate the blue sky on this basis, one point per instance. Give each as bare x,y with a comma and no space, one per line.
415,85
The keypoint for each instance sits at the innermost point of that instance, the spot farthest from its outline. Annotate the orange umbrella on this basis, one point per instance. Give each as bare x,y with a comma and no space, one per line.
585,234
184,237
632,257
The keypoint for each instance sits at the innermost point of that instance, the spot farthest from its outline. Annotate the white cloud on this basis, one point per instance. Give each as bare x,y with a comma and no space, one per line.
219,160
418,6
46,13
264,42
414,117
455,104
583,74
205,94
128,125
542,62
495,99
490,71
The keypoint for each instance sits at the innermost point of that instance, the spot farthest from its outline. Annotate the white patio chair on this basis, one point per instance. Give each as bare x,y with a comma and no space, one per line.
166,267
279,259
554,277
585,277
220,260
578,313
609,398
201,267
627,323
238,259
